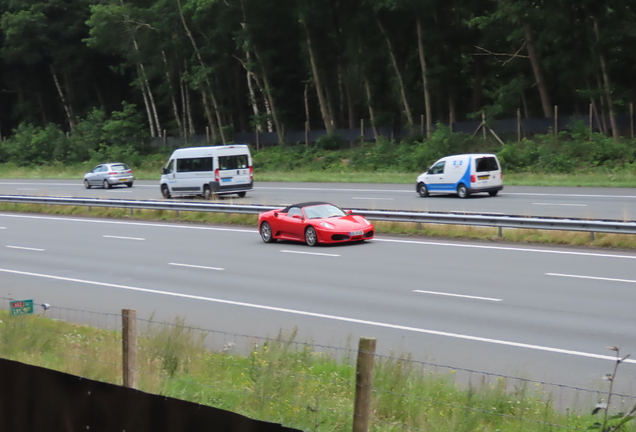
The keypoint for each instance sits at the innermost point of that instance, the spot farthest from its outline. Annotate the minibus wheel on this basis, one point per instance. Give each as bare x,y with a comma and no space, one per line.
207,192
165,192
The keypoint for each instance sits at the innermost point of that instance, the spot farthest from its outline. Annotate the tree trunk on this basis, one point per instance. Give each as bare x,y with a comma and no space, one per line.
606,85
202,63
175,109
405,102
538,74
67,110
324,109
367,89
151,122
427,95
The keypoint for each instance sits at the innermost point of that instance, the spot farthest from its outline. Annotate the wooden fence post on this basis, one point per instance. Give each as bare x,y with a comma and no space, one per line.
364,372
129,347
591,120
556,120
362,129
483,124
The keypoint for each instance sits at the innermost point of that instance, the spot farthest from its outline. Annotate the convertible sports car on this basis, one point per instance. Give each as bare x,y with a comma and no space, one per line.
313,223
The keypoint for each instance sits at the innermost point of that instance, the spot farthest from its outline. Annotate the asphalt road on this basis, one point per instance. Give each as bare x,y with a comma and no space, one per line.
590,203
542,313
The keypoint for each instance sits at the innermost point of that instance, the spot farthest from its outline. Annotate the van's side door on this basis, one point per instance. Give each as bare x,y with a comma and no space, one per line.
435,176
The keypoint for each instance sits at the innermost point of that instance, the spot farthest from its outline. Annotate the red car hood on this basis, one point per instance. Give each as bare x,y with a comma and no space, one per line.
345,222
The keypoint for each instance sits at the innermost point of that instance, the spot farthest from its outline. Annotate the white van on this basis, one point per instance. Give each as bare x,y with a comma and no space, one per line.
208,171
463,174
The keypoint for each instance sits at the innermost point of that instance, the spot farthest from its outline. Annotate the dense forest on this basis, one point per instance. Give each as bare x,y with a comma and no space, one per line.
186,67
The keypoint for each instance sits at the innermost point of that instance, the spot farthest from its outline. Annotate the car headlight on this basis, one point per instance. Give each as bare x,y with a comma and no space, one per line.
327,225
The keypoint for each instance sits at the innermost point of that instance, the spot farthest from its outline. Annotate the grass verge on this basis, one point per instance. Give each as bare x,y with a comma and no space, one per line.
283,381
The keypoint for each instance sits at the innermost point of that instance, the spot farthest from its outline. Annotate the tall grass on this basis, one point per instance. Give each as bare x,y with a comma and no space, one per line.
285,381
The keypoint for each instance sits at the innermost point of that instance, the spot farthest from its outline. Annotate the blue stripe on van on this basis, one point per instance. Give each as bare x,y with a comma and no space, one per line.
466,177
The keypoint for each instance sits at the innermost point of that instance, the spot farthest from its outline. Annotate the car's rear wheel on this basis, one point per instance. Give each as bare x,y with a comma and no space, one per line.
462,192
207,192
422,190
129,184
311,238
87,185
106,184
165,191
493,193
241,194
266,233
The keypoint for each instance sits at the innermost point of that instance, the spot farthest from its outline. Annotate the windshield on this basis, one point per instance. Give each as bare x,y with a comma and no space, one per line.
323,211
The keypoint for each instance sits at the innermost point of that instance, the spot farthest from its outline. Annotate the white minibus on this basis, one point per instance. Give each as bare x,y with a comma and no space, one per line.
207,171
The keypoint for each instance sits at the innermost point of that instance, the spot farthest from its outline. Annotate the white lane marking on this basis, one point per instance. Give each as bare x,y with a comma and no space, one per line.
252,231
26,248
27,189
481,213
372,198
506,248
570,195
591,277
114,222
3,227
458,295
123,238
552,204
196,266
61,184
338,190
331,317
310,253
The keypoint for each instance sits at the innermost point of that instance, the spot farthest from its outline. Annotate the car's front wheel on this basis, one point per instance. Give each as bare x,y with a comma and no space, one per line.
422,190
87,185
462,192
266,233
106,184
165,192
311,237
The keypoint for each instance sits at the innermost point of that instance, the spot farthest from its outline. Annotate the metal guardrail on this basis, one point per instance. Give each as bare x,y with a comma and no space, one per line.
562,224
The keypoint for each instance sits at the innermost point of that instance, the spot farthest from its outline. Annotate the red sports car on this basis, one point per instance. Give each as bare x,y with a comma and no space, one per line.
313,223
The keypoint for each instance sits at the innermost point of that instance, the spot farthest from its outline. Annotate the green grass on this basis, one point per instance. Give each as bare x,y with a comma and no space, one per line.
282,381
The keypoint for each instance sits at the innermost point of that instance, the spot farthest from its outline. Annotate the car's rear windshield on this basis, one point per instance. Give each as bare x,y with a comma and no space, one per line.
487,163
323,211
119,167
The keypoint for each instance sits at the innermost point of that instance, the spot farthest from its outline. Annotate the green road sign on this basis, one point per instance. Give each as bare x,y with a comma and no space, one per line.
21,307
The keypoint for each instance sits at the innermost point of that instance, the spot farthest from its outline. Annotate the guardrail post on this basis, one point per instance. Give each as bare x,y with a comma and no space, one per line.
592,236
500,232
364,371
129,347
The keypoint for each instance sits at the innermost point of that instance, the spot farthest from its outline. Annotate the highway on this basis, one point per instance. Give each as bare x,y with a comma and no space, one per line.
527,311
589,203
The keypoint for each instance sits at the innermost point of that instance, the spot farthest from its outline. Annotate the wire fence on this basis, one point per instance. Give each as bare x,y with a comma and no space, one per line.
299,384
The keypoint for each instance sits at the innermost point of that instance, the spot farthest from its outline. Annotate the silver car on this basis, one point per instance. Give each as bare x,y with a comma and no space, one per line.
109,174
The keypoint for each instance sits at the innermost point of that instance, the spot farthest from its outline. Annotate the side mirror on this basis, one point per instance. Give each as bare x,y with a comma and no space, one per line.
275,214
164,170
349,212
297,216
430,171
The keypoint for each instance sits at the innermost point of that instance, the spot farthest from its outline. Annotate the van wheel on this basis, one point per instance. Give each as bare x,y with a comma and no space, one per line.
241,194
493,193
311,238
106,184
165,191
207,192
462,192
87,185
266,233
422,190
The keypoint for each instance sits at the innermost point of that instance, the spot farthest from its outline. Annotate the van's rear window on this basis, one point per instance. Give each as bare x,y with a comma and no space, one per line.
487,164
233,162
